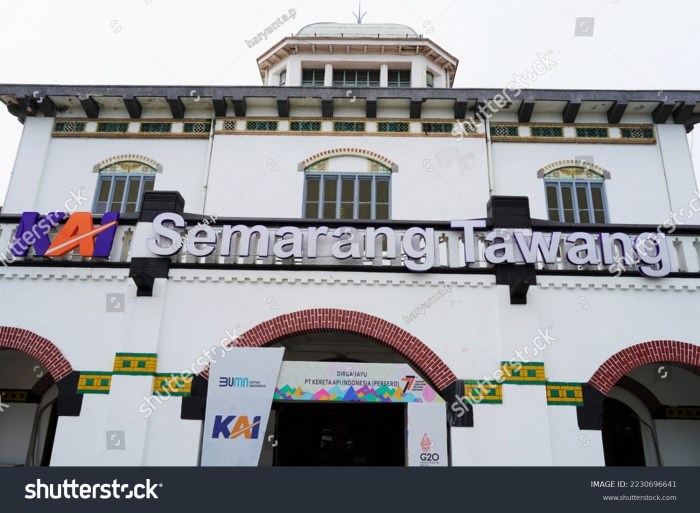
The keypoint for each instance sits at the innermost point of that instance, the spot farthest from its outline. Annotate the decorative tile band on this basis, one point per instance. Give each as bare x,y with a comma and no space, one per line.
531,373
138,364
567,394
18,396
94,382
172,384
597,133
682,412
478,392
339,127
130,128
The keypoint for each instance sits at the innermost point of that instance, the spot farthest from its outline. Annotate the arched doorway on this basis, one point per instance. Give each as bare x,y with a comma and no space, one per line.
343,425
30,367
651,412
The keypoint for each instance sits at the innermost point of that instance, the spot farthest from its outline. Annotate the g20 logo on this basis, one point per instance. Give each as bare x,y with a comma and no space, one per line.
241,427
430,456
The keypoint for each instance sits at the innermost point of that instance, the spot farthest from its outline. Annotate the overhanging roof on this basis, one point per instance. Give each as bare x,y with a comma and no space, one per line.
22,100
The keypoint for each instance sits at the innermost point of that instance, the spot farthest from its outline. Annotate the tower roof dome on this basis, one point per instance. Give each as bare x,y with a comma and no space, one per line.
326,29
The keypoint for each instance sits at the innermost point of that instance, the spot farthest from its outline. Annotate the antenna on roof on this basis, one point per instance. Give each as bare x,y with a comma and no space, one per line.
359,14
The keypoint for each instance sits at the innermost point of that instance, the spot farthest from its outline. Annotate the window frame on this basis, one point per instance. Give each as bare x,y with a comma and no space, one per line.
112,178
316,81
400,83
356,82
340,177
588,185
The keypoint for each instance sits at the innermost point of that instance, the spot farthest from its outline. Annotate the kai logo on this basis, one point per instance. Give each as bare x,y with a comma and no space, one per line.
241,427
78,232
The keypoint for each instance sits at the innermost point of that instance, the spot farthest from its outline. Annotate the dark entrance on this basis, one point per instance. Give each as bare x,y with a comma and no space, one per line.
340,434
622,436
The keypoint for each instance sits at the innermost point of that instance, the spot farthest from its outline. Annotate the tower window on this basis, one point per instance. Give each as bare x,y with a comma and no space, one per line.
313,77
399,78
356,78
429,79
283,77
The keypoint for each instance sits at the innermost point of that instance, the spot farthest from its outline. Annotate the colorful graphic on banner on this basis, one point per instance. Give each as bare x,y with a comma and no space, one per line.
239,399
353,382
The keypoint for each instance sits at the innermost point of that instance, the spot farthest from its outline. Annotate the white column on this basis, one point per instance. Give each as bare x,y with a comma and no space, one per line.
328,77
384,75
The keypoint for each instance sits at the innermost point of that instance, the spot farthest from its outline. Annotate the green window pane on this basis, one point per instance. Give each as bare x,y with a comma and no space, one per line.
148,184
347,198
382,211
553,203
567,199
119,186
330,189
312,189
365,194
365,211
582,199
311,209
382,191
132,194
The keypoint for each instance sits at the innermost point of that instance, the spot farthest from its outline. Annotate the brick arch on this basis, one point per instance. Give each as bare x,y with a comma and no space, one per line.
39,348
348,152
630,358
317,320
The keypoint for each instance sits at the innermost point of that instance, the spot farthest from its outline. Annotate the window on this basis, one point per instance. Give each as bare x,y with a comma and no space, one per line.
122,183
356,78
313,77
399,78
429,79
575,195
347,196
122,193
283,77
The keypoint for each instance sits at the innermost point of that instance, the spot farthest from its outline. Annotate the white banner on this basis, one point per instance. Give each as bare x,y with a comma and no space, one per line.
353,382
239,398
427,435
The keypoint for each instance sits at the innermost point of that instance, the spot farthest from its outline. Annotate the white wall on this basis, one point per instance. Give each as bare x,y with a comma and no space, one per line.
256,176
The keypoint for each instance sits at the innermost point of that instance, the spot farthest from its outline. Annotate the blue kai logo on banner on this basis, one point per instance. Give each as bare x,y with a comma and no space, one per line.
242,427
239,398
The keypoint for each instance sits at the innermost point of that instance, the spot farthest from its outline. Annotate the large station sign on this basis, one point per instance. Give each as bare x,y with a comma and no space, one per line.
417,244
414,247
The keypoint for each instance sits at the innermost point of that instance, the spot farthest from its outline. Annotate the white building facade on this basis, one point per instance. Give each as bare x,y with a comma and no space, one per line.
526,261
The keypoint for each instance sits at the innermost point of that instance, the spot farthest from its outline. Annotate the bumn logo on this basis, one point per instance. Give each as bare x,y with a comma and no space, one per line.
233,381
78,232
241,427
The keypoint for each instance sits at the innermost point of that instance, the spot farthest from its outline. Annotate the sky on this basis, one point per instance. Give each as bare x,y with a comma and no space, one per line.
620,44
